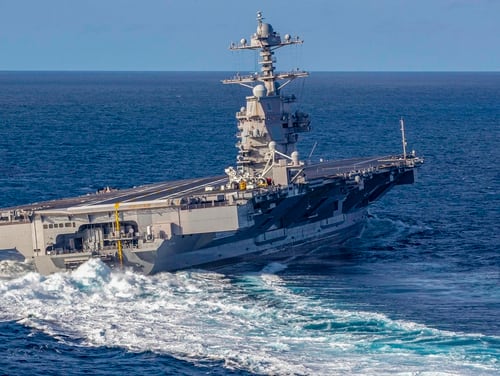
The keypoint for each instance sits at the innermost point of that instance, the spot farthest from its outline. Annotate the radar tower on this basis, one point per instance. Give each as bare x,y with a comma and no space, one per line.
268,127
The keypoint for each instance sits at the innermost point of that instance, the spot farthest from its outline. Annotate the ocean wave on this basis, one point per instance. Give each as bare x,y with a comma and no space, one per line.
253,322
11,269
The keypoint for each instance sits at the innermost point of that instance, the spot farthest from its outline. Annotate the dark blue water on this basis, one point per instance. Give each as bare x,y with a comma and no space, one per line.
418,292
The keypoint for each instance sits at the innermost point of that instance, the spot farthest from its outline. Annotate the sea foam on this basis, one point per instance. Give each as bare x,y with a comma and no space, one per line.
253,322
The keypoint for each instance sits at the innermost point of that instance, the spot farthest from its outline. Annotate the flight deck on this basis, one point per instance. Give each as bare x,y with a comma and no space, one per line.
188,187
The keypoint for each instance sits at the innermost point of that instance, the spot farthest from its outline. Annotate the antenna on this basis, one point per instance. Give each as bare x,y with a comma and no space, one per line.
312,151
403,138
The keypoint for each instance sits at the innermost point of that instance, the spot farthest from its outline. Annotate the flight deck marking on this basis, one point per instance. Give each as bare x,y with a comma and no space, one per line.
194,188
131,195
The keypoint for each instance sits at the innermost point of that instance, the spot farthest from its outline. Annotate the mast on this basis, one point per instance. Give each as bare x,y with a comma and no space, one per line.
266,40
268,126
403,138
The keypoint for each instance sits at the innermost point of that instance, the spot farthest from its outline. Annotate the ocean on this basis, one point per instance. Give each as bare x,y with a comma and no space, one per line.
416,294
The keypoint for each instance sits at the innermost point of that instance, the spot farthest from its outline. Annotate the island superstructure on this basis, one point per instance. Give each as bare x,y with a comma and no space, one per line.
269,204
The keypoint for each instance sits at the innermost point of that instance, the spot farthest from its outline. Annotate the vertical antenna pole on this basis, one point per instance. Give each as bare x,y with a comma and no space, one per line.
403,137
312,151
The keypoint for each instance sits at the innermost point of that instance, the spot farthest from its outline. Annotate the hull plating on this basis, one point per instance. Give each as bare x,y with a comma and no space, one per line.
273,244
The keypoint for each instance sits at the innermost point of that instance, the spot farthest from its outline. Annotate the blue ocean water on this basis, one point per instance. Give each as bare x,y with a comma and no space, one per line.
417,293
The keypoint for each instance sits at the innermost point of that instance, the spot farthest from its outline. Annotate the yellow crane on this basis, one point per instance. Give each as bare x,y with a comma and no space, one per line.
119,242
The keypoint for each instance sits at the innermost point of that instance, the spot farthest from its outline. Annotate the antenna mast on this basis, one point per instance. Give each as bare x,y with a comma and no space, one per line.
403,138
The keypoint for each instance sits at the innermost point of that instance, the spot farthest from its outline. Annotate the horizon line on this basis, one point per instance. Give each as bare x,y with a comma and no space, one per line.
230,71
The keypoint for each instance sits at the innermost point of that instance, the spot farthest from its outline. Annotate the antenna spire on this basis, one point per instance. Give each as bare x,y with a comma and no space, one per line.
403,138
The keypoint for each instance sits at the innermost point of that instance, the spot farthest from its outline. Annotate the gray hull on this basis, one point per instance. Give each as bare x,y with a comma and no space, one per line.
272,245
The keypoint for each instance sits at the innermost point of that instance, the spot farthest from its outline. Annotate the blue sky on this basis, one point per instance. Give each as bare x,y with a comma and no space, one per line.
339,35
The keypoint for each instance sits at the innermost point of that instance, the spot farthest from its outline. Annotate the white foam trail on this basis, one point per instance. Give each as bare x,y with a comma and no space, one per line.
255,324
12,269
273,268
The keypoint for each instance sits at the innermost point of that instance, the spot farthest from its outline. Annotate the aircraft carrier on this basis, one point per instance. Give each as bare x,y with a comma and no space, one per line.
271,204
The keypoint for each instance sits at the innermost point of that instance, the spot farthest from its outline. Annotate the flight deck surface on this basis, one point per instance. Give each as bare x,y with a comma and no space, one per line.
187,187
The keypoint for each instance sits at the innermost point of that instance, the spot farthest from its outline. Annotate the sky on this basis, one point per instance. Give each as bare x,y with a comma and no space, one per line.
194,35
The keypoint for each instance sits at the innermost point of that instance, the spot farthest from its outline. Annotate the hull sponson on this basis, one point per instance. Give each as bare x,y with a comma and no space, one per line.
270,245
330,213
17,236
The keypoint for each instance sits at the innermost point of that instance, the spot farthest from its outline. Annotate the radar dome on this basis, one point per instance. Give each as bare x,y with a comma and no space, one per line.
259,91
264,30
